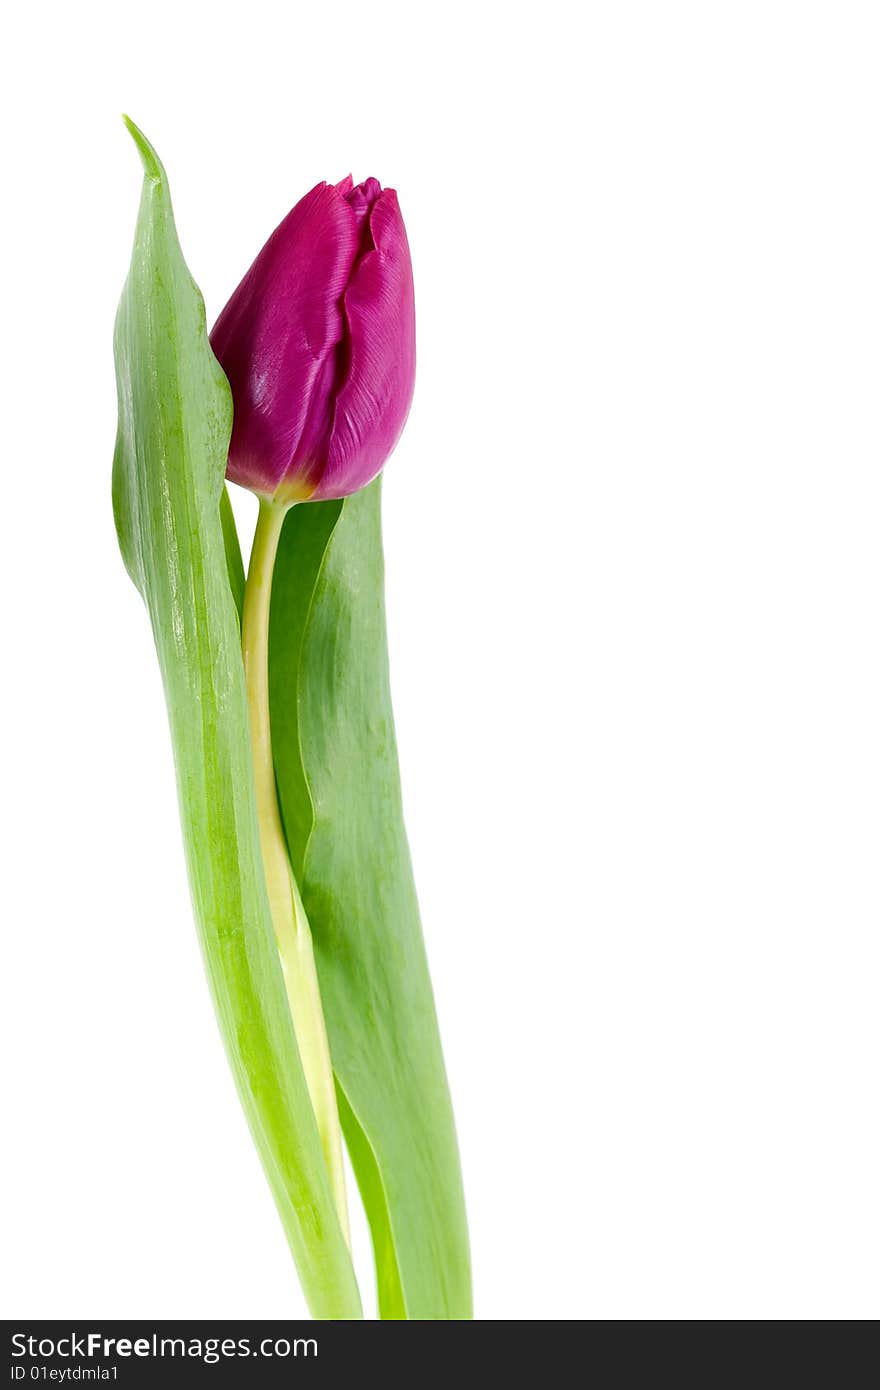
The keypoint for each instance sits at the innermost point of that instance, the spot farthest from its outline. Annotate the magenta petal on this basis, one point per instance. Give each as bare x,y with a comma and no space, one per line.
374,397
278,333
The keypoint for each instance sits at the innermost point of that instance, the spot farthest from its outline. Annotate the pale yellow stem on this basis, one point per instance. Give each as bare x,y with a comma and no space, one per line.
292,930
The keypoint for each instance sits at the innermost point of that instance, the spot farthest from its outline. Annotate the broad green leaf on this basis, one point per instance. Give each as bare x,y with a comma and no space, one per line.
175,415
339,786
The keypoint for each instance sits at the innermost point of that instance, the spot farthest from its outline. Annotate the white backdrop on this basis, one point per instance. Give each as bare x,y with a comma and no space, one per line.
633,577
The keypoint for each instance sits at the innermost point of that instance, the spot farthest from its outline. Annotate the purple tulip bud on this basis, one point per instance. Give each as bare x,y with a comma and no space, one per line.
318,343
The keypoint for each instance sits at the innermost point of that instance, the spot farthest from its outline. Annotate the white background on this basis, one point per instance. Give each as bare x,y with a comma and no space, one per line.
633,579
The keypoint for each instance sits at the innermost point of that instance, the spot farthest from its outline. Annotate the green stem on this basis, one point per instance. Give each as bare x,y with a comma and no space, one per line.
292,930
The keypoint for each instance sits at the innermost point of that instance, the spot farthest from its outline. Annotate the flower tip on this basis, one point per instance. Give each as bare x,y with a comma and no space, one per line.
364,196
149,158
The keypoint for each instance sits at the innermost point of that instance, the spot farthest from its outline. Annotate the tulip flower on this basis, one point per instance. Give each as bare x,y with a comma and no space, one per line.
318,344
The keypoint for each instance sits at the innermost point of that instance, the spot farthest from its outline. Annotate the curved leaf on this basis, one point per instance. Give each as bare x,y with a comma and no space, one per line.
175,415
339,787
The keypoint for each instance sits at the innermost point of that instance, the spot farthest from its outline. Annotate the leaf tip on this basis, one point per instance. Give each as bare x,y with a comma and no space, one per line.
149,158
